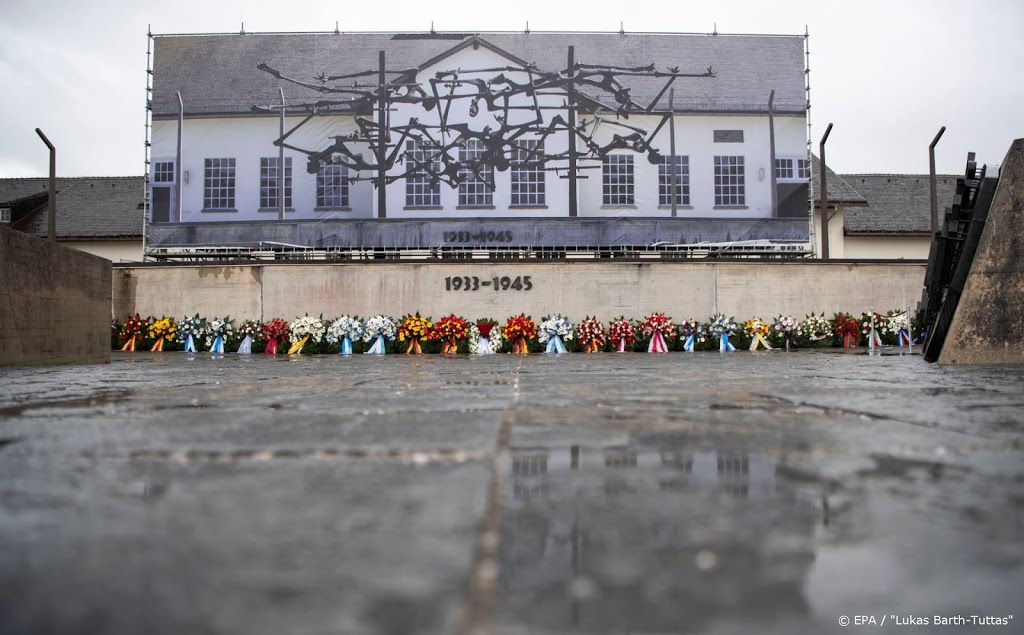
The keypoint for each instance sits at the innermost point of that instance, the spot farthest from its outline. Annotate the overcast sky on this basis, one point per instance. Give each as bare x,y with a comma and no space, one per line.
886,74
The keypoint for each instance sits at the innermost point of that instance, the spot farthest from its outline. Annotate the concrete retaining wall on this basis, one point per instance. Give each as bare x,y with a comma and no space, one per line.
576,289
989,319
54,303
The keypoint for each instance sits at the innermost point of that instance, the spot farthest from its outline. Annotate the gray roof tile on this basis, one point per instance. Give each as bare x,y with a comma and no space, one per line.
87,207
217,74
896,203
839,190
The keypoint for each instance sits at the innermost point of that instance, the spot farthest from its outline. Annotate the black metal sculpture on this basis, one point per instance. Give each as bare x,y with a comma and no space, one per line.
500,95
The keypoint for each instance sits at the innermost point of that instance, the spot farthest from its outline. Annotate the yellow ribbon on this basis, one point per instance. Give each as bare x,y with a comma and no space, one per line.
297,346
414,347
759,341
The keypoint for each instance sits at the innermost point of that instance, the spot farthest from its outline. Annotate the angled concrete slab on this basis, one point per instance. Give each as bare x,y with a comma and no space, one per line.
989,320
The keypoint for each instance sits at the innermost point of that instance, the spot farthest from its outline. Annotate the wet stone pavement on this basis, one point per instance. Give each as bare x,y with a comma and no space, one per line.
702,493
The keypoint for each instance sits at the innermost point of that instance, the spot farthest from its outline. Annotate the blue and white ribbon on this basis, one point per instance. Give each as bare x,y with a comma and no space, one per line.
218,344
245,348
688,346
190,344
346,346
378,346
724,345
555,346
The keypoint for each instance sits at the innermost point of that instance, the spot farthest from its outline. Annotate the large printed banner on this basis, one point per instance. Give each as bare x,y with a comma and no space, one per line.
478,232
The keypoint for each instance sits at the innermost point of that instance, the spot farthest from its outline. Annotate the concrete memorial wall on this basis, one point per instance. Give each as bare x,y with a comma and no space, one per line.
54,303
498,290
989,318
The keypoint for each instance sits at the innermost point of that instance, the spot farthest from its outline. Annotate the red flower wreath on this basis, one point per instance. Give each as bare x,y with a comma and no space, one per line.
519,329
450,330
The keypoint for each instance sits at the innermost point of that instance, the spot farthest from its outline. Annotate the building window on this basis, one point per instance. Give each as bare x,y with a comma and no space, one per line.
530,465
331,186
792,169
617,179
476,179
219,184
620,459
783,169
803,169
682,166
270,185
528,174
728,136
422,189
730,183
163,172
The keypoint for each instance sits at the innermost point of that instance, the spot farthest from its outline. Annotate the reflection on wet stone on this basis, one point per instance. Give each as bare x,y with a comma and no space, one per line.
712,494
649,538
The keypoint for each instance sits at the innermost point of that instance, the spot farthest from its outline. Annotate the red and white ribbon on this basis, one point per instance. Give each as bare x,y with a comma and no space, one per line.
657,344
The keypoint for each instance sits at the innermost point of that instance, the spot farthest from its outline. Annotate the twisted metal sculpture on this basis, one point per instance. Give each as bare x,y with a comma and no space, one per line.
501,93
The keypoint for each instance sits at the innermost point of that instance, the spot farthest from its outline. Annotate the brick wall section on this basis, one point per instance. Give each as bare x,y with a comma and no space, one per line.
54,303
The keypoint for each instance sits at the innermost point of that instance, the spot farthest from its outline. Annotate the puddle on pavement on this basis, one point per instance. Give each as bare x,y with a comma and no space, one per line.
676,533
644,538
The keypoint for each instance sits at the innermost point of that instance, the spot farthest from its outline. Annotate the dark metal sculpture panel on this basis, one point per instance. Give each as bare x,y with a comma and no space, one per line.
507,104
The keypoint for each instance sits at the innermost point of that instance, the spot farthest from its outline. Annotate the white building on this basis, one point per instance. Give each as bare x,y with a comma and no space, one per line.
725,134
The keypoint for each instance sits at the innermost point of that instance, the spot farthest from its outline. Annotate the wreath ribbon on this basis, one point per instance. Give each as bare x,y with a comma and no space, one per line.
346,345
690,343
724,345
414,347
759,341
271,347
592,346
519,346
129,345
555,346
378,346
657,343
849,341
296,348
904,337
450,346
874,341
245,348
483,346
190,344
218,345
158,345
